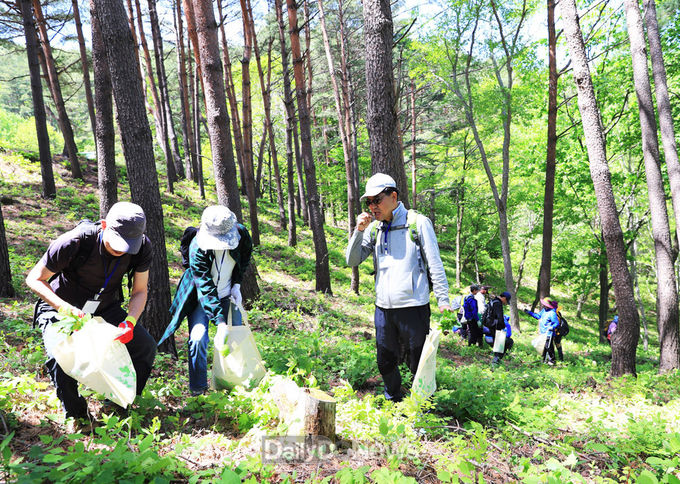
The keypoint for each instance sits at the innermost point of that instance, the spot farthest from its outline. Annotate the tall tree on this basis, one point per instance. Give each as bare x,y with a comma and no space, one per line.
625,339
290,116
248,166
381,103
340,108
218,120
139,158
55,89
666,289
47,176
323,276
183,89
663,104
176,170
84,64
104,129
550,159
6,288
269,126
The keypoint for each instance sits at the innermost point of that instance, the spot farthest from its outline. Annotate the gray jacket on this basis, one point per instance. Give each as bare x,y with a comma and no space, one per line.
401,280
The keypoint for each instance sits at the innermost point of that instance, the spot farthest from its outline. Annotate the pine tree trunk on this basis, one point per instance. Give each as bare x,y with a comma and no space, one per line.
55,87
6,288
47,176
269,126
231,96
248,166
85,65
138,151
381,114
290,116
666,289
340,108
104,128
183,90
414,170
625,339
550,159
323,277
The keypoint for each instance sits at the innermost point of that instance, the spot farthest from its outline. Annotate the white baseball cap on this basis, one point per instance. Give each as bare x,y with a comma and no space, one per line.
377,184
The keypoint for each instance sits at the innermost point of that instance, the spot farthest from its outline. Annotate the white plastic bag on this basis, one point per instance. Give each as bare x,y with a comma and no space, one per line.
424,381
499,341
539,342
237,361
94,358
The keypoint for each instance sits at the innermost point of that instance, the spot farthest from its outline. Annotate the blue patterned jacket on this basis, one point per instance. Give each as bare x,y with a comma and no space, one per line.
197,283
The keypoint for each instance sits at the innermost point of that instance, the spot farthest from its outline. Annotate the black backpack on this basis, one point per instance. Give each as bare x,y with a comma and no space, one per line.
185,243
563,328
487,316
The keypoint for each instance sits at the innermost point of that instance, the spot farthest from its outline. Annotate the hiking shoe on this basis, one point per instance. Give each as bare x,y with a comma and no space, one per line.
110,408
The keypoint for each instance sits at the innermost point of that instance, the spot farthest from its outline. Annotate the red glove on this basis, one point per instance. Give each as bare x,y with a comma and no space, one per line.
129,328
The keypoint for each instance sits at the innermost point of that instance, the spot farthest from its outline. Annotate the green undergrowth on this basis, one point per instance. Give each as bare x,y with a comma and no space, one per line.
520,421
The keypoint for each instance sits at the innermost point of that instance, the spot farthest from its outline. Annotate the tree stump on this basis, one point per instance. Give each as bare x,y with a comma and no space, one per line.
306,411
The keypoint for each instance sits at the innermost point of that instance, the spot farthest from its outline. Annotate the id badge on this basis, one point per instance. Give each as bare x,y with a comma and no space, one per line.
91,306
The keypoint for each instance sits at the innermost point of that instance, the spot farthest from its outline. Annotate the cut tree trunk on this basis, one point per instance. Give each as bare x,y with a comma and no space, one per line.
305,411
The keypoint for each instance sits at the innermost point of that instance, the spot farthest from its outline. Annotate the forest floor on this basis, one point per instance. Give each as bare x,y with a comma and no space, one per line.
519,422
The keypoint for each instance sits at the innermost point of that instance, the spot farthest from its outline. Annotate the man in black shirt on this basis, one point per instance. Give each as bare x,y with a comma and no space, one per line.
81,272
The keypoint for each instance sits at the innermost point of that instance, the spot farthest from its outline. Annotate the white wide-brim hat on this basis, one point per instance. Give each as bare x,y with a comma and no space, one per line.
218,230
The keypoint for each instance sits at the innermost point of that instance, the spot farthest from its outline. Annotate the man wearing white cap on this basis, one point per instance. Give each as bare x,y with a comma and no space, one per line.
405,252
81,272
211,286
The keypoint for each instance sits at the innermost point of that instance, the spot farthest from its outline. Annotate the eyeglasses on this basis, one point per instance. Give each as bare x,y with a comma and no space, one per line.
375,200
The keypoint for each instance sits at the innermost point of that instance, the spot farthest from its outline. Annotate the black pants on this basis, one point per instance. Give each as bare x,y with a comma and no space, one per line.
475,334
142,349
410,325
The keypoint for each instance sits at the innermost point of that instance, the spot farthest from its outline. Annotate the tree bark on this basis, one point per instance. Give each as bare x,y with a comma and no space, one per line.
323,277
104,129
290,115
603,307
414,169
625,339
666,289
47,176
381,114
55,88
6,288
138,151
85,65
550,159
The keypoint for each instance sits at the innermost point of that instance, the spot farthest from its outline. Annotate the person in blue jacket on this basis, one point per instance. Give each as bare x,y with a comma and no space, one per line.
490,336
211,287
548,322
471,317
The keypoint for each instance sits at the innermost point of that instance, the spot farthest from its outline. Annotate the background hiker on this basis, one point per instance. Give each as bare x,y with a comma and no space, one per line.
218,254
494,320
490,338
471,317
405,252
548,322
81,272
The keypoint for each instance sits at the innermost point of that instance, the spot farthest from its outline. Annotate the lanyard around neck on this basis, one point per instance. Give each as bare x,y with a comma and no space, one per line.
109,275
